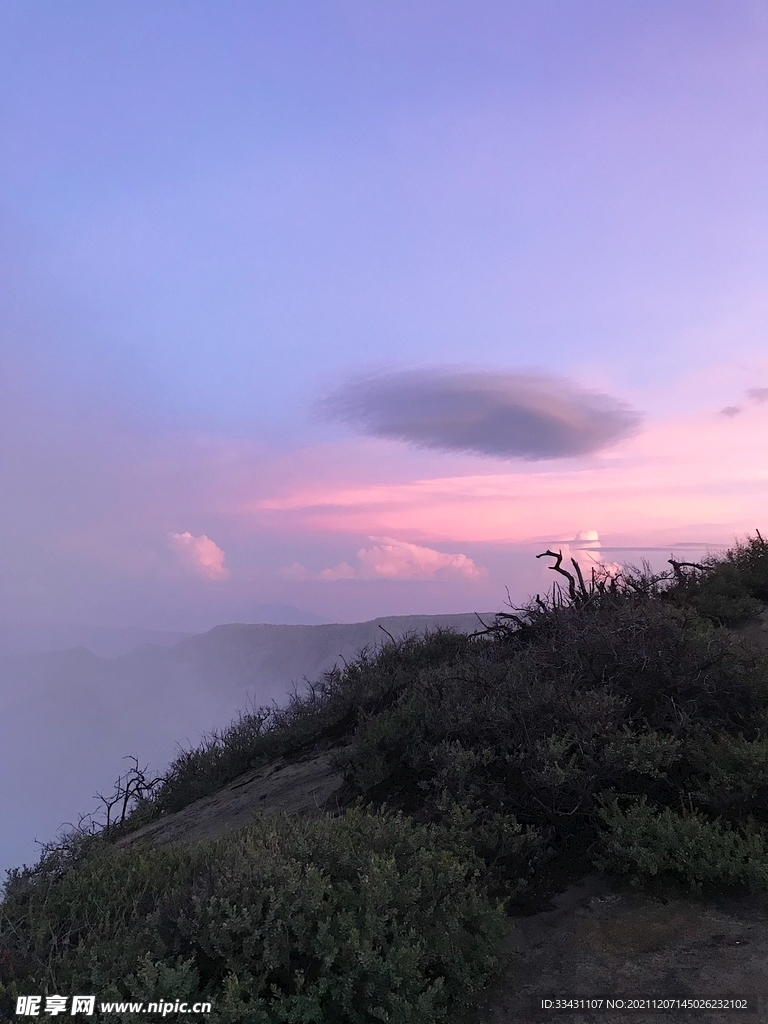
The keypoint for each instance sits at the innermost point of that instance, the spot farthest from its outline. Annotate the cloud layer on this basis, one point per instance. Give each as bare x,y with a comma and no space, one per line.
505,415
759,395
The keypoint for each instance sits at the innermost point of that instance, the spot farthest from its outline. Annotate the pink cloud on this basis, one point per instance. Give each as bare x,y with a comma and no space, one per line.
389,558
200,554
397,559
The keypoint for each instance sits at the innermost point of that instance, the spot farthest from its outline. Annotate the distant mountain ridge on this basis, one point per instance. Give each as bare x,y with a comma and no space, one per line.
243,654
114,641
67,718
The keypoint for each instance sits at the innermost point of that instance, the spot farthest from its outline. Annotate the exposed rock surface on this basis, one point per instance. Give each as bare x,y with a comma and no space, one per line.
306,787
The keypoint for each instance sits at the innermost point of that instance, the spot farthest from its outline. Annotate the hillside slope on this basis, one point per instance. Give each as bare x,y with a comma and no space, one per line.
597,937
574,803
67,718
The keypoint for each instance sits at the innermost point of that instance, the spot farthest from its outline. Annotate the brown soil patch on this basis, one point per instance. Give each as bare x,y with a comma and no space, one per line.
599,940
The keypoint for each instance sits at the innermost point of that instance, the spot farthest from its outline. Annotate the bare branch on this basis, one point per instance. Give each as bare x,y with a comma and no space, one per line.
388,633
577,567
557,567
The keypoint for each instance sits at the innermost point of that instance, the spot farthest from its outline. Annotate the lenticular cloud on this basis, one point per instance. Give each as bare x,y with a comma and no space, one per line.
505,415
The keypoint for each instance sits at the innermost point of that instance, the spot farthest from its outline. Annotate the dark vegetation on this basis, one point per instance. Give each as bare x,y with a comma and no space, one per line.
616,724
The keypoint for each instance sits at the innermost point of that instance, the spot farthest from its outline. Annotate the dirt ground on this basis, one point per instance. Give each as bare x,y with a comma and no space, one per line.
600,939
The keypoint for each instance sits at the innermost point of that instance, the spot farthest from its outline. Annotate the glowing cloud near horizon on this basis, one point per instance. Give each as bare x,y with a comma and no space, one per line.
585,547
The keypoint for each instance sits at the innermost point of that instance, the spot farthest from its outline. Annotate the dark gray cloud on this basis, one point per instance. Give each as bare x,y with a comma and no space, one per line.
758,394
730,411
505,415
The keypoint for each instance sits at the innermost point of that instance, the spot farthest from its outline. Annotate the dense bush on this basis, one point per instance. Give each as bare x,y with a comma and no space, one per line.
727,589
616,696
357,919
647,842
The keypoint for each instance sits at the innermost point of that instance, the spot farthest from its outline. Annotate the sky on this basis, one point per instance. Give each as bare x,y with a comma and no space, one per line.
318,311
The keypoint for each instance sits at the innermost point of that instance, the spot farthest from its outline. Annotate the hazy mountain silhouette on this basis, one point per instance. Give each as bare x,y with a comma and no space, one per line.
113,641
67,718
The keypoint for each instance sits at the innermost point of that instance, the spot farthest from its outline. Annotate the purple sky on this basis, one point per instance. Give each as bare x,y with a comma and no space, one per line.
353,307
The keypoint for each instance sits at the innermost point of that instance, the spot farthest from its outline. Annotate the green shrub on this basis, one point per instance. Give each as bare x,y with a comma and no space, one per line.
723,596
645,842
750,561
357,919
732,775
610,696
648,754
728,589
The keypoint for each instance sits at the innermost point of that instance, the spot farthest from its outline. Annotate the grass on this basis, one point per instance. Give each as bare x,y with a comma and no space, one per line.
615,723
